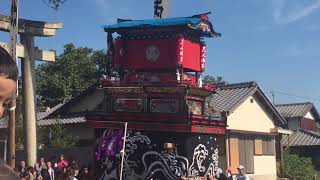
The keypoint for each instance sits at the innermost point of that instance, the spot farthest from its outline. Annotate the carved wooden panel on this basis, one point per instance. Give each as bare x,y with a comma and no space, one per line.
164,105
195,107
128,105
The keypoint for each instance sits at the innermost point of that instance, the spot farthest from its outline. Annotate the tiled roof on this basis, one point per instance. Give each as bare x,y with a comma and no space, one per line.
295,109
302,137
47,122
44,122
70,120
44,114
229,96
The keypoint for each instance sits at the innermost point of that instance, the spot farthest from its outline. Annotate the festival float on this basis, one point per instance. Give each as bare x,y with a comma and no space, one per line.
156,123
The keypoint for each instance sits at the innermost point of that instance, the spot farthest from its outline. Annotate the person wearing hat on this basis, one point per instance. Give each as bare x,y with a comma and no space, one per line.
242,174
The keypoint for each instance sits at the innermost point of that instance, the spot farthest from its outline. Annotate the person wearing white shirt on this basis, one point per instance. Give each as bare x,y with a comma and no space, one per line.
242,174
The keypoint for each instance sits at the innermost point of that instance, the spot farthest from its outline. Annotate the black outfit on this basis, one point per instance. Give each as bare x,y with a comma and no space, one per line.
46,175
224,177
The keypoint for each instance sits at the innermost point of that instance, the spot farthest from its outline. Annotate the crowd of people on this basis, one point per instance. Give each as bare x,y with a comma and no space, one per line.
52,170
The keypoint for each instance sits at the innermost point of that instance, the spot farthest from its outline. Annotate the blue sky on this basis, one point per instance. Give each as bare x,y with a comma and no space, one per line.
273,42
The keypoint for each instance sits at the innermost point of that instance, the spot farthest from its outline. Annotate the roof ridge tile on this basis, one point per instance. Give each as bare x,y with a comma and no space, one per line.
247,84
295,104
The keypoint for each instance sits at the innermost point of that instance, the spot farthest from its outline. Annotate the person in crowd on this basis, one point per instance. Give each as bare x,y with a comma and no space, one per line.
62,176
25,176
62,164
72,174
75,166
8,80
227,175
212,178
39,177
242,174
49,173
84,174
32,173
45,174
40,165
22,166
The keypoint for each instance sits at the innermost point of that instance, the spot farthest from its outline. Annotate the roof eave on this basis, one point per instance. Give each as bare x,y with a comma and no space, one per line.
273,108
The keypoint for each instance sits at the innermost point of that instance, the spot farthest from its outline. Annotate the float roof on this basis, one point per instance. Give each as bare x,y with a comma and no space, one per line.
200,23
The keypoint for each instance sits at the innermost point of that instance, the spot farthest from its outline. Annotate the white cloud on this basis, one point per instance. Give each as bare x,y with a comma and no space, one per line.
293,14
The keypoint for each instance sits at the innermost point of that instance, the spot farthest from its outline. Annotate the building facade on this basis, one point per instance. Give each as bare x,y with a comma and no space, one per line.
252,128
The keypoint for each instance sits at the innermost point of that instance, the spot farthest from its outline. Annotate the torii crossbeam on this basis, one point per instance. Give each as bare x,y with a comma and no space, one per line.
29,53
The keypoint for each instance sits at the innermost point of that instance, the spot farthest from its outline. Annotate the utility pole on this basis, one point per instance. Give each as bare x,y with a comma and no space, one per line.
12,113
273,101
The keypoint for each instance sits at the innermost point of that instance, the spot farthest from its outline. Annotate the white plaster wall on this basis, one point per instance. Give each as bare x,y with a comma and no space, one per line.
264,168
309,116
263,177
250,116
265,165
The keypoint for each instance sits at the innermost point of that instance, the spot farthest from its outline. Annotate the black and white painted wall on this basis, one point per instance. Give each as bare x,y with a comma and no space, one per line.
146,158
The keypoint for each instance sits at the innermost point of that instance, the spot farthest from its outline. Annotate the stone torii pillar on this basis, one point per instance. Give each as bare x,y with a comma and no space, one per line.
28,54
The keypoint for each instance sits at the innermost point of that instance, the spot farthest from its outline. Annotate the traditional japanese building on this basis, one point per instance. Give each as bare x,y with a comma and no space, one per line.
155,86
303,119
254,129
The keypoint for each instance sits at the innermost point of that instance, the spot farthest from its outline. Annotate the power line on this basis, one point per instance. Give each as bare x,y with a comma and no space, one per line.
293,95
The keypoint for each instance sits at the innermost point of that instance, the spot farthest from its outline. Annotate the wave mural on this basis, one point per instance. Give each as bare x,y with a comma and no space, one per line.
146,158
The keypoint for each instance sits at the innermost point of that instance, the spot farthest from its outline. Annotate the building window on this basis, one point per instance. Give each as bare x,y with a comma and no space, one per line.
246,153
268,147
264,146
243,148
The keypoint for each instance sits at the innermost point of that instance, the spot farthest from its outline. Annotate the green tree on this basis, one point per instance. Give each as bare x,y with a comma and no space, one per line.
207,79
75,70
57,136
297,167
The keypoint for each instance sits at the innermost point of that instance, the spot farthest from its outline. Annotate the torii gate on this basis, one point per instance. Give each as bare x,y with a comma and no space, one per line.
29,53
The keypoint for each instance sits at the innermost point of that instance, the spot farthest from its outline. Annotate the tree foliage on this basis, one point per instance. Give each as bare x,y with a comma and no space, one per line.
297,167
75,70
208,79
57,136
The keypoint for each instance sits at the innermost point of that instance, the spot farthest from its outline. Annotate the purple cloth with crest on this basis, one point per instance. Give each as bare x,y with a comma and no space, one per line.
109,146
